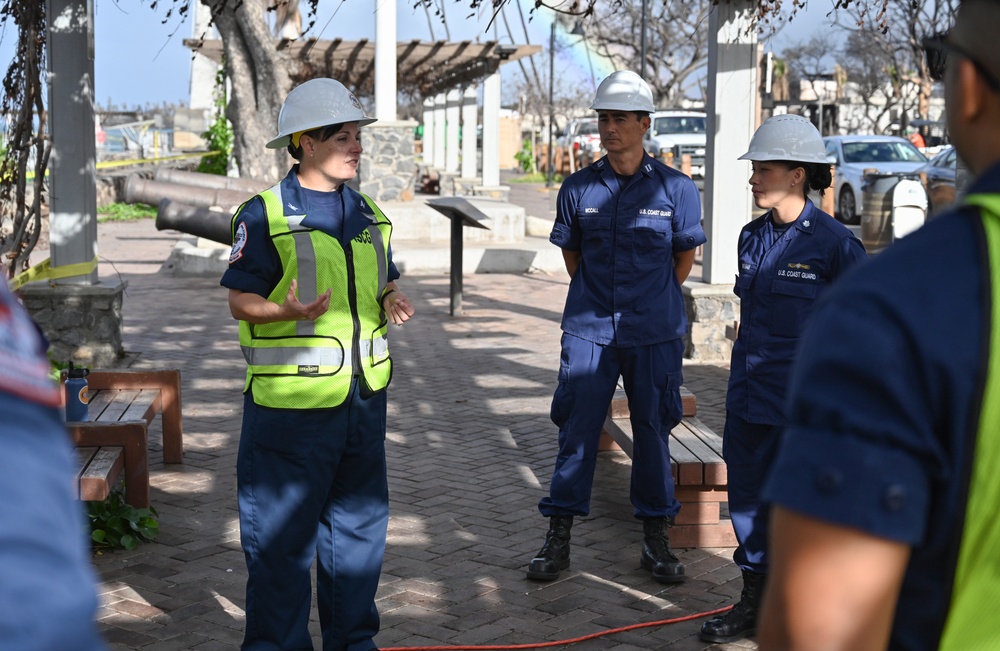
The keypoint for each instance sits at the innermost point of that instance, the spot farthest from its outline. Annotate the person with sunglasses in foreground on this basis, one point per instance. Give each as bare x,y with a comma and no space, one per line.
887,483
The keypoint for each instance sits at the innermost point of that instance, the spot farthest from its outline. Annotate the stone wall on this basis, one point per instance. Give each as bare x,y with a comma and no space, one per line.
82,322
388,166
710,308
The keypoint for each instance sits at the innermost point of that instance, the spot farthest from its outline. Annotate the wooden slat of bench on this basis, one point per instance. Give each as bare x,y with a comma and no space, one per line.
686,466
99,470
132,437
168,381
690,468
619,404
120,400
620,430
713,467
144,406
716,472
99,401
83,457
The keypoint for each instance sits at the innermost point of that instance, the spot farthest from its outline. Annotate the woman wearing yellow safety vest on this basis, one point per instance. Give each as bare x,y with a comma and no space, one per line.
312,283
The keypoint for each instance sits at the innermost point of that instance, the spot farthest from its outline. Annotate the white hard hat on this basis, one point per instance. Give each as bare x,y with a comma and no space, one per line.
314,104
623,91
786,137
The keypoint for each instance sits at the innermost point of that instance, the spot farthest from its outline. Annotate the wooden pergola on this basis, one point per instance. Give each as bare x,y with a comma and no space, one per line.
423,68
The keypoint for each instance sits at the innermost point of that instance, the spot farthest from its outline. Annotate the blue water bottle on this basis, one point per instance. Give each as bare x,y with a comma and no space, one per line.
77,398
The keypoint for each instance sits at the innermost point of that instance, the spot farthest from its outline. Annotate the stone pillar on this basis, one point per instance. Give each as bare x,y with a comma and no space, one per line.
388,166
710,309
385,61
439,130
452,122
470,126
732,83
83,322
491,131
73,160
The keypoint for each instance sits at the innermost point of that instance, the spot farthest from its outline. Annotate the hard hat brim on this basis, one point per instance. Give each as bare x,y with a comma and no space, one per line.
762,157
285,139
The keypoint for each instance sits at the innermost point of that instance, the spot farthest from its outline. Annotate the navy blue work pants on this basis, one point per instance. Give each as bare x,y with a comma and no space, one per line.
588,376
749,450
312,485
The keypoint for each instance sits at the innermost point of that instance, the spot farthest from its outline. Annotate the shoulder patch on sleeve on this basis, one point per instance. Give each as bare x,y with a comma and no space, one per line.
238,243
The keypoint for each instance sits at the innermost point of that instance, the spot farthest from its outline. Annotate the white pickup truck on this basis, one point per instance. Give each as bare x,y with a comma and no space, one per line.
678,132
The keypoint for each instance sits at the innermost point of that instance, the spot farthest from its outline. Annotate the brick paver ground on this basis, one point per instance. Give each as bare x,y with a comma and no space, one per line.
470,449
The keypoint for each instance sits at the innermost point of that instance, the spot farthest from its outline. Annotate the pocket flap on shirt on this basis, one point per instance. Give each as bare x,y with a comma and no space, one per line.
797,289
595,223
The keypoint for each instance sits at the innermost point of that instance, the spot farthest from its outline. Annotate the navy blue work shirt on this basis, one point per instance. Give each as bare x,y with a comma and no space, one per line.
625,292
254,264
884,406
780,277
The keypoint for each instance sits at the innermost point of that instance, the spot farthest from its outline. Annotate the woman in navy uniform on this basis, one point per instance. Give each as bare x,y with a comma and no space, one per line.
787,258
312,283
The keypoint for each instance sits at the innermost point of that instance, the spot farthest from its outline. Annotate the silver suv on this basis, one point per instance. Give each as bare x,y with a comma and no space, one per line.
678,132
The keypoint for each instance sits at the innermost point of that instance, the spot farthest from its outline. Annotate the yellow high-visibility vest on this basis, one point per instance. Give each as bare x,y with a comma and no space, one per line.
310,364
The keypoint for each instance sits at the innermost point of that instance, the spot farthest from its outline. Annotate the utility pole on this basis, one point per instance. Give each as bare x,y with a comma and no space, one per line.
552,108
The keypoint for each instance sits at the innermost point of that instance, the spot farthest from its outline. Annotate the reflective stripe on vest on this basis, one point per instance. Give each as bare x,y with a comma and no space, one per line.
972,622
313,355
306,364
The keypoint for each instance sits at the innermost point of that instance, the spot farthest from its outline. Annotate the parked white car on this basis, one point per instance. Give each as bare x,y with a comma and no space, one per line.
852,155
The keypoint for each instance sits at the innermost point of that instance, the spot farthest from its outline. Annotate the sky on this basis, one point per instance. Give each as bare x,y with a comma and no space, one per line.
140,60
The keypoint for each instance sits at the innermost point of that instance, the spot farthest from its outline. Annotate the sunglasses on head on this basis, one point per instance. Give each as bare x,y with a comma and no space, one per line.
936,50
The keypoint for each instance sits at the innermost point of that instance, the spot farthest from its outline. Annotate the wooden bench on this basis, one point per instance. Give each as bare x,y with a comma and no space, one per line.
699,472
122,405
98,470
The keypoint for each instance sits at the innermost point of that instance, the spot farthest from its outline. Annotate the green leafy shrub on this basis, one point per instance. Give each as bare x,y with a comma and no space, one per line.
220,133
526,157
114,524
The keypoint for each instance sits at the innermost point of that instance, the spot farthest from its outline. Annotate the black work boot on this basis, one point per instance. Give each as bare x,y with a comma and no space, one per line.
554,556
656,554
741,621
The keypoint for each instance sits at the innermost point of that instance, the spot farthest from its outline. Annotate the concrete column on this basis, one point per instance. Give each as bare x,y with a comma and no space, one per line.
439,130
491,131
385,60
428,141
203,69
732,83
452,122
470,124
73,161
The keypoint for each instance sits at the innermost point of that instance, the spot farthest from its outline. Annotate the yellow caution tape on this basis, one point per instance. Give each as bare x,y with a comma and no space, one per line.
141,161
45,271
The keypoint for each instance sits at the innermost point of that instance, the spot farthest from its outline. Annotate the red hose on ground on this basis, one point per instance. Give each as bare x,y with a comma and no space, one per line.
542,645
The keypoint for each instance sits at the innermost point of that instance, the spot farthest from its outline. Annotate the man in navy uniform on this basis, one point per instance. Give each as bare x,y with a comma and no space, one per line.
628,226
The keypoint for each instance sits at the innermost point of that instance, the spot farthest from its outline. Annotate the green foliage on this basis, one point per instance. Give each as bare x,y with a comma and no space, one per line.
526,157
56,368
535,177
220,133
125,212
116,525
